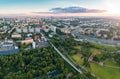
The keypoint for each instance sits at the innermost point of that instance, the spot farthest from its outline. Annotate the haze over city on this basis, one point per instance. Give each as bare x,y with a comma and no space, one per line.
60,7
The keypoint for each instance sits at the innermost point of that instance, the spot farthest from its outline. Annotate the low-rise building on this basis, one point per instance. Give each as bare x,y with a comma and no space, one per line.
18,30
31,30
25,30
37,30
8,47
27,41
16,35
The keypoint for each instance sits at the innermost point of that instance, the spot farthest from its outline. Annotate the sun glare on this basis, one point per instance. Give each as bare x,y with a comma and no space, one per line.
112,6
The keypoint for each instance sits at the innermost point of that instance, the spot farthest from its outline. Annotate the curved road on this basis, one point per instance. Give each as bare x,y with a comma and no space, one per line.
77,69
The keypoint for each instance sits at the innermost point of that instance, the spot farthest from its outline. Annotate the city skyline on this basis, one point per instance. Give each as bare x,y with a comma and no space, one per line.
60,7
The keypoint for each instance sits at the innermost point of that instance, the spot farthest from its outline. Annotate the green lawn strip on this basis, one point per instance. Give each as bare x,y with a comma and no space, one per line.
100,46
77,59
110,63
77,47
104,72
69,57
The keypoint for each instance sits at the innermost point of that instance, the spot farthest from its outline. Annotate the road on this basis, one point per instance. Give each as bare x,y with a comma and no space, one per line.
108,42
11,29
14,27
66,59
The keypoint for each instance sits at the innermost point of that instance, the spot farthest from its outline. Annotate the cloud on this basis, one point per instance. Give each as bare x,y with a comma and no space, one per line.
71,10
76,10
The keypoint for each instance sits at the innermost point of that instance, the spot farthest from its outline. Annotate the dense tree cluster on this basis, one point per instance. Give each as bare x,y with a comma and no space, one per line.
34,64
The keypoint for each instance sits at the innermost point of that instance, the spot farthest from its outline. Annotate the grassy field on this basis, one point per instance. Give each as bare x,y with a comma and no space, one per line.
77,59
77,47
105,72
100,46
108,71
102,72
110,63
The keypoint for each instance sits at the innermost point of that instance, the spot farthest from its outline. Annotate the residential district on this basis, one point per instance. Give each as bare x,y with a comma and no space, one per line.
38,33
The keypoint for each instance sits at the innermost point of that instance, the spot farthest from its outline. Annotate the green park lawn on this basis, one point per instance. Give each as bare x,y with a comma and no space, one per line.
77,59
100,46
77,47
108,71
110,63
104,72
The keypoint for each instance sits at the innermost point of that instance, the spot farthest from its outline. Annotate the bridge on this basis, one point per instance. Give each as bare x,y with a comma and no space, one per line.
66,59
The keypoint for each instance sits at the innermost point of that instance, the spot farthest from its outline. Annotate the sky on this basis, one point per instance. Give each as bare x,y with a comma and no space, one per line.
60,7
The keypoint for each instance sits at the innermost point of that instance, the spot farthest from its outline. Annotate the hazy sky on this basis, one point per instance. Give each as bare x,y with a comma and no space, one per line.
32,6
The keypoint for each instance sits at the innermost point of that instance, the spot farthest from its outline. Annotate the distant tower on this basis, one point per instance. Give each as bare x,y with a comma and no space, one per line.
43,27
54,29
33,45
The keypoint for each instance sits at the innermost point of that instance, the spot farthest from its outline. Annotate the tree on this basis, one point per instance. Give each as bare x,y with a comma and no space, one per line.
93,52
117,58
